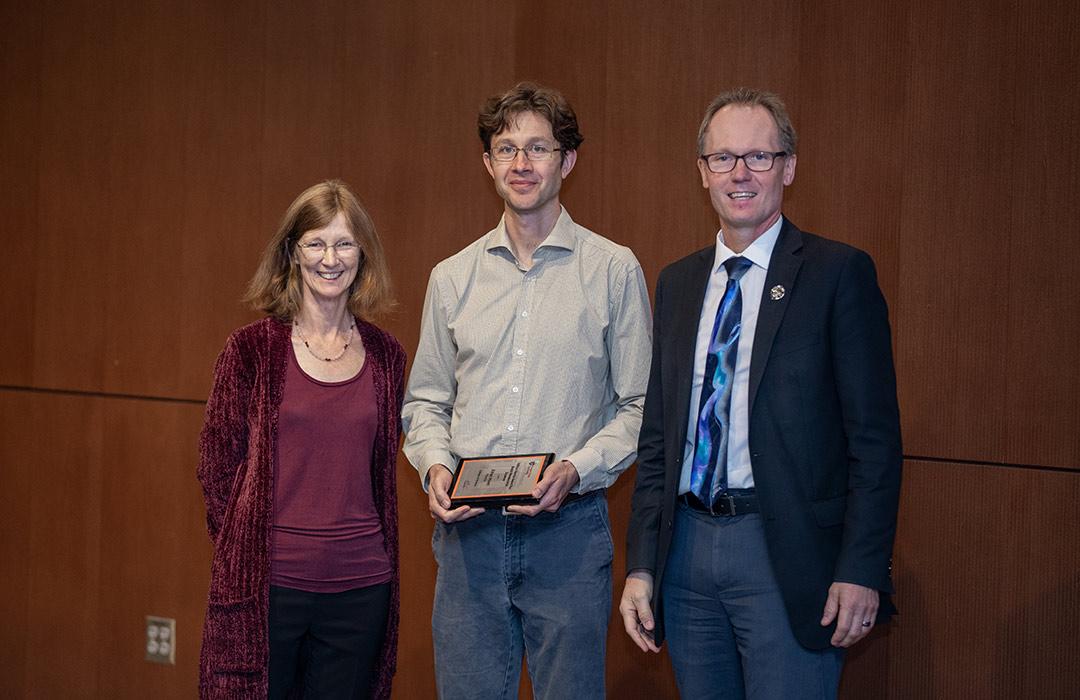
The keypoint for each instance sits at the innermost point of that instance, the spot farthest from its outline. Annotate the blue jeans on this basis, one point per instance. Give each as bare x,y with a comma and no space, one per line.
727,629
511,583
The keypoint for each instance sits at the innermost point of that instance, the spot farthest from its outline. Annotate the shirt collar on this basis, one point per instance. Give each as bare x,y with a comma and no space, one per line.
562,235
759,252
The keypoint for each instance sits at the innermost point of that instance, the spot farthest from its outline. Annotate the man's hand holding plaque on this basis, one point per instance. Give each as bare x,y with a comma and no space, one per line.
552,490
439,479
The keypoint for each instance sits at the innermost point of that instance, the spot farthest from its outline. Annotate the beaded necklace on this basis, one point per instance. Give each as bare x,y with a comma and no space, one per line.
348,341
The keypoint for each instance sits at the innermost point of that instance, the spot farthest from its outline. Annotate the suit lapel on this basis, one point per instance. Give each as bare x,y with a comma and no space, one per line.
783,268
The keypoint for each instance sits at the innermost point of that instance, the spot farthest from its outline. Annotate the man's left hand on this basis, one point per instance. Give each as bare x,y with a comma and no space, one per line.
850,605
552,490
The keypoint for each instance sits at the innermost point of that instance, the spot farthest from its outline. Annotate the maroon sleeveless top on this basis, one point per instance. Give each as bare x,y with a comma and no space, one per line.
326,536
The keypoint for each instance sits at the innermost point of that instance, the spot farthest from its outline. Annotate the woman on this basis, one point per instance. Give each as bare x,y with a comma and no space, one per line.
297,465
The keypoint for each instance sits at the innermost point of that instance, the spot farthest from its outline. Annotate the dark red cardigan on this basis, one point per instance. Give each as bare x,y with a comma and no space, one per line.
236,458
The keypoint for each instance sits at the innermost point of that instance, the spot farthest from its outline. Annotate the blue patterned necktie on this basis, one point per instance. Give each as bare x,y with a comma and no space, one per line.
709,474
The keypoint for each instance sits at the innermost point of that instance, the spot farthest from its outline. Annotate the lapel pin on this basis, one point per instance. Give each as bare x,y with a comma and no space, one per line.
777,292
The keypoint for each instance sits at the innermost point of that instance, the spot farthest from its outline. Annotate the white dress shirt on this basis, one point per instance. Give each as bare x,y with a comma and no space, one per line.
739,473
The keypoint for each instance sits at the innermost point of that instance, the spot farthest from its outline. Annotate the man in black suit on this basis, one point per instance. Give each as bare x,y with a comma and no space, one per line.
769,459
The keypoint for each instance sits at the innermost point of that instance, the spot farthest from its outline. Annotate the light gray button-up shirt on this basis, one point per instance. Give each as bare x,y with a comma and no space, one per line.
550,359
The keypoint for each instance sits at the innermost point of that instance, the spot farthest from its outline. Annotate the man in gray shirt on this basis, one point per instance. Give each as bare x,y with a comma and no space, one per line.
535,338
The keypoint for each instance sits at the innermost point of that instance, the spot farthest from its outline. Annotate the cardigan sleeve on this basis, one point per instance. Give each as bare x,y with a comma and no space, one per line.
398,375
224,439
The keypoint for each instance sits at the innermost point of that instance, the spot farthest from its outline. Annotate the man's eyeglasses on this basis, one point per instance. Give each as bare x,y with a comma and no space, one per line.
504,153
316,250
757,161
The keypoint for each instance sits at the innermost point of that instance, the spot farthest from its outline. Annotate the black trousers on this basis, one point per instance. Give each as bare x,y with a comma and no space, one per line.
326,644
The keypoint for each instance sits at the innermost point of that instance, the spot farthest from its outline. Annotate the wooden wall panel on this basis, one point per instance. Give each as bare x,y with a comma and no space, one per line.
987,583
62,540
222,84
141,241
19,142
984,309
17,482
850,116
103,525
955,205
155,553
303,75
1043,374
81,88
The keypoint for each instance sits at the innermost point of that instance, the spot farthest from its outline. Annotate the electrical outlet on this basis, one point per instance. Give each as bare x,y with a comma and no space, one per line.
161,640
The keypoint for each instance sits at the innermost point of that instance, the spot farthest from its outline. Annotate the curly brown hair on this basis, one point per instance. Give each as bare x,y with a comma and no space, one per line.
499,111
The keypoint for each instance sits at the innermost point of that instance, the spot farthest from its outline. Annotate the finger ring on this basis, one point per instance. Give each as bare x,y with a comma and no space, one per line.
867,623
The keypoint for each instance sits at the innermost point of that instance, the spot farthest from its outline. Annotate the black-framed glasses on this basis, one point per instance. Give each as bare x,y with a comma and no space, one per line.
504,153
757,161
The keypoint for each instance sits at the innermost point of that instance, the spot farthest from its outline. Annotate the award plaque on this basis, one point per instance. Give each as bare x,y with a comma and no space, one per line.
498,481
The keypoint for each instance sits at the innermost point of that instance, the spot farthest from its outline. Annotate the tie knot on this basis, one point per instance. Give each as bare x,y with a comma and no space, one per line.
736,267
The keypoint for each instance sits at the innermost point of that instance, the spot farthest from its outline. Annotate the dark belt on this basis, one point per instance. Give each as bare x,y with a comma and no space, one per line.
727,504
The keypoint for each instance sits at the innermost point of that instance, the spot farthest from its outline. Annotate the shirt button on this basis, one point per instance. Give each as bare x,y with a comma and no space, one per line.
524,314
510,427
515,389
519,351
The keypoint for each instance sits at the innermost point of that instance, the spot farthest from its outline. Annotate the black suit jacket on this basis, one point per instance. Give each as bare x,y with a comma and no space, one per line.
824,424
